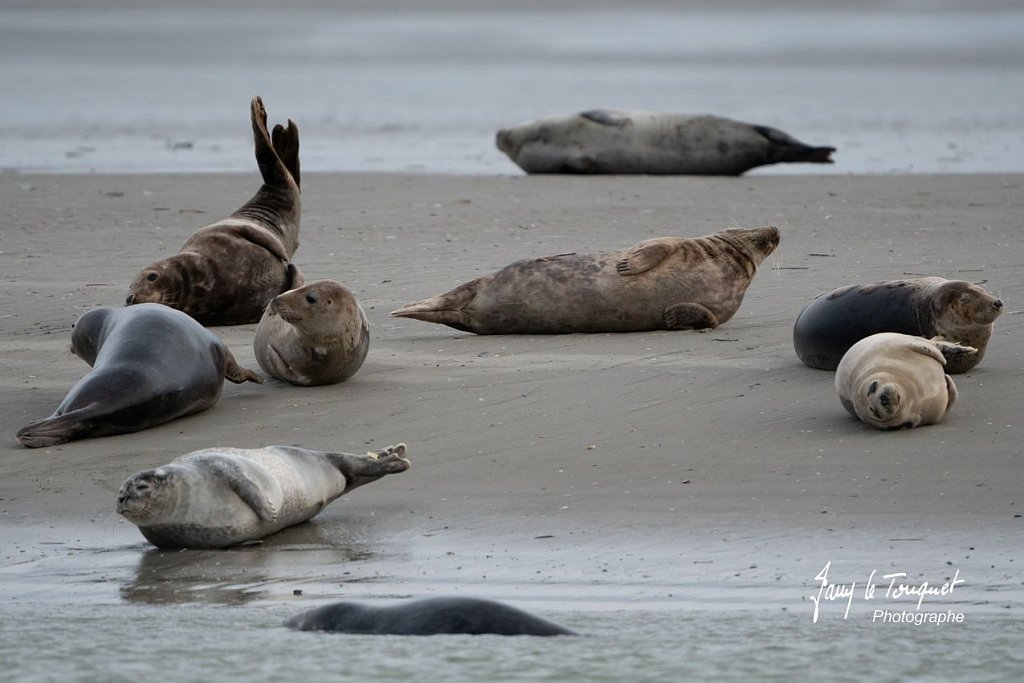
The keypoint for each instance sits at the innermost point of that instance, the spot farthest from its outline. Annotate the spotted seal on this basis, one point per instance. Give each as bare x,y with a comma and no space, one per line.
672,283
954,310
227,272
427,617
151,364
316,334
898,381
220,497
632,142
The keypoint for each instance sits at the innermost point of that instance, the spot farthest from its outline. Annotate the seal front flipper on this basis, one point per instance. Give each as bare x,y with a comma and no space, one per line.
580,163
689,316
951,389
607,117
926,348
645,255
257,489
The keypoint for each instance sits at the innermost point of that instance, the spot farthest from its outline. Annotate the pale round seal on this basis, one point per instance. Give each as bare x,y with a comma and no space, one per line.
428,617
631,142
220,497
897,381
316,334
954,310
227,272
151,364
672,283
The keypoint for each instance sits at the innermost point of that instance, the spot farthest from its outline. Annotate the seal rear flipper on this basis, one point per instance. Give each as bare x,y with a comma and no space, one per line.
689,316
786,148
954,352
235,373
645,255
273,168
286,144
445,309
53,431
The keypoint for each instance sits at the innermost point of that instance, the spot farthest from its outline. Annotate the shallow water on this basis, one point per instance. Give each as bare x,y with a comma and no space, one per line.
896,86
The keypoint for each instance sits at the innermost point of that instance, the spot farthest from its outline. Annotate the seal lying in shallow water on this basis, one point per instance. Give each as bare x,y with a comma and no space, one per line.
672,283
431,616
316,334
954,310
151,364
897,381
227,272
630,142
220,497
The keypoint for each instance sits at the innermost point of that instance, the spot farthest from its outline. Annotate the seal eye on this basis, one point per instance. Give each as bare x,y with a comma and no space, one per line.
152,277
310,299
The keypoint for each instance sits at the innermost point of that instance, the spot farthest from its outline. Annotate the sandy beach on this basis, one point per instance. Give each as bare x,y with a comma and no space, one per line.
627,464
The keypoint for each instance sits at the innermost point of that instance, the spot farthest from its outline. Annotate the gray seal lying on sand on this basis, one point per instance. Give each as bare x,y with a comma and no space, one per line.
672,283
929,307
151,364
897,381
220,497
316,334
631,142
227,272
427,617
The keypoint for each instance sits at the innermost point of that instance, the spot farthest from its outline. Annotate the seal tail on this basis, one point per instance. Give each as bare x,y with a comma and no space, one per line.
787,149
445,309
277,154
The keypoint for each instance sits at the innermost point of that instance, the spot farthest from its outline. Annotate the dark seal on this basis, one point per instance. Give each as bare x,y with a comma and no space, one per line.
227,272
953,310
151,364
431,616
644,142
666,283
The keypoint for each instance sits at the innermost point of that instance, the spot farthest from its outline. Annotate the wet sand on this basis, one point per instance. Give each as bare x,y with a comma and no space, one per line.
649,470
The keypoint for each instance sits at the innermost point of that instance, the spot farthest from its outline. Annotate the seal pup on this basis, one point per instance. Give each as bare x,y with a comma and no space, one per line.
220,497
929,307
316,334
897,381
671,283
631,142
151,364
427,617
227,272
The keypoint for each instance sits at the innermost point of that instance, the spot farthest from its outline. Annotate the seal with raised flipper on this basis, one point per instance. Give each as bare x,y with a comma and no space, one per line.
151,364
428,617
898,381
316,334
953,310
670,283
220,497
227,272
654,143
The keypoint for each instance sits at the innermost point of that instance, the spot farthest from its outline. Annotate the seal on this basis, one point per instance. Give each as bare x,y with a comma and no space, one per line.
227,272
316,334
427,617
898,381
151,364
671,283
220,497
954,310
631,142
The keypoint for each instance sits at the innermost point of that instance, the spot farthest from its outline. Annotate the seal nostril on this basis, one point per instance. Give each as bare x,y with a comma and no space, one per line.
129,300
998,303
